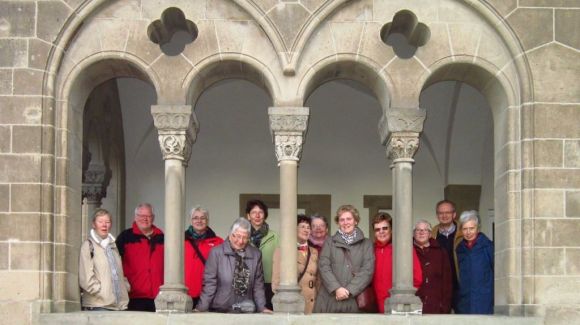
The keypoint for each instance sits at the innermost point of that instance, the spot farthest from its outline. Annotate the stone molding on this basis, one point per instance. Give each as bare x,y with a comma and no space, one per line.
94,186
402,146
288,126
177,127
401,120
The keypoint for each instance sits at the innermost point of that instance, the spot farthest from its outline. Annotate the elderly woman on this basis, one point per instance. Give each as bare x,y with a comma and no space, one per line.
346,265
383,276
437,288
264,239
199,241
233,280
101,278
307,265
319,232
475,259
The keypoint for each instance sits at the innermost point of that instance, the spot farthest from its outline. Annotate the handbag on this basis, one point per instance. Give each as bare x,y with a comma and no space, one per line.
366,300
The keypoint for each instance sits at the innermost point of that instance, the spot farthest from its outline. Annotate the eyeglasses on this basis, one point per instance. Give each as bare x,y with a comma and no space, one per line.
241,238
385,228
422,230
202,218
144,216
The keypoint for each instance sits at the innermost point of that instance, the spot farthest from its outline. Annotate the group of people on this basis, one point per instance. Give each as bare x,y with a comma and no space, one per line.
452,263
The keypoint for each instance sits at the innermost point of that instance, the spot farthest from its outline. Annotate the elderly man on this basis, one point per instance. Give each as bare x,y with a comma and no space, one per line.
199,241
448,235
436,290
141,248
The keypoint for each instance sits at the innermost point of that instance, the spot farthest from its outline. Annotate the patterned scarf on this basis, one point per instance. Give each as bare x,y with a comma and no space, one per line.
257,235
348,238
207,234
107,244
241,275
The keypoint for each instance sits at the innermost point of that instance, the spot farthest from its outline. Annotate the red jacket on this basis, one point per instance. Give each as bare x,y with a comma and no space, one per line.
437,288
383,277
194,266
142,261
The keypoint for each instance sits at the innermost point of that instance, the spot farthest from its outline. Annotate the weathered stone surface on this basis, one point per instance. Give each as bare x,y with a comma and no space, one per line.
504,7
5,139
17,18
532,35
22,286
24,256
549,3
546,261
573,261
113,34
572,153
5,81
38,53
384,11
4,199
20,110
27,198
205,44
193,10
373,47
140,45
553,178
23,226
555,68
557,232
52,15
231,35
357,11
437,47
13,53
312,5
27,82
568,27
544,153
289,19
547,203
28,168
556,121
127,9
464,38
4,256
556,290
228,10
27,139
573,204
347,36
453,11
20,311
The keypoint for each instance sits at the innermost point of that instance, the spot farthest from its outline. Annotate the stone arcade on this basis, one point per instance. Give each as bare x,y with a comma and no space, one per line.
523,56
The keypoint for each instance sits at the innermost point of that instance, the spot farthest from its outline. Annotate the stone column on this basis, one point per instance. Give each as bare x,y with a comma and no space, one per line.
177,128
288,126
93,191
401,148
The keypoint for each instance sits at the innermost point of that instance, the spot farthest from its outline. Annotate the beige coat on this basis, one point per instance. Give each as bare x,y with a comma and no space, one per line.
95,278
309,282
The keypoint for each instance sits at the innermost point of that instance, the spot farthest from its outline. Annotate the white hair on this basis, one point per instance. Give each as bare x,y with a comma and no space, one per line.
144,205
201,209
470,215
240,223
423,222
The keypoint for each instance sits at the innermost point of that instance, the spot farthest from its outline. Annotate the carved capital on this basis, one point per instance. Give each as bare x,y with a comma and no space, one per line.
401,120
177,127
402,145
95,181
288,126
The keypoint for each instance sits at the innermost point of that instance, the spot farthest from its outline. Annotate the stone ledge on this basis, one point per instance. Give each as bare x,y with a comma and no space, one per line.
123,318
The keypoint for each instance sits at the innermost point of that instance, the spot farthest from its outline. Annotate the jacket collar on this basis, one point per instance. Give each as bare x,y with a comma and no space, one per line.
137,231
337,238
227,246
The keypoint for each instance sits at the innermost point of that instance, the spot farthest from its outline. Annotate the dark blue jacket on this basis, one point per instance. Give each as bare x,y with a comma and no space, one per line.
475,294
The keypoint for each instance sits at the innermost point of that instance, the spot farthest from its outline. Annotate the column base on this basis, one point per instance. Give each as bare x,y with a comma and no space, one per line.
403,302
173,298
288,299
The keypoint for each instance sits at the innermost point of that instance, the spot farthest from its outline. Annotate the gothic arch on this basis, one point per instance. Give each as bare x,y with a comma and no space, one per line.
230,66
347,66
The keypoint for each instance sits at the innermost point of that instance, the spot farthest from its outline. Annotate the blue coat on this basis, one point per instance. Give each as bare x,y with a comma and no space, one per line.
475,294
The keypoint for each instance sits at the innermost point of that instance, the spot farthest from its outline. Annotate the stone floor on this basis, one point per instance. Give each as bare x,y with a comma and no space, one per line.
127,318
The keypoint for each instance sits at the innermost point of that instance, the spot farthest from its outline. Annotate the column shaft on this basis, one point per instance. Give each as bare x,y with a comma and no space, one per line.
403,224
174,207
289,210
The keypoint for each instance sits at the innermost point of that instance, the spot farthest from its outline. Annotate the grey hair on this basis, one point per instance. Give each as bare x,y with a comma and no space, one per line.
240,223
423,222
317,216
470,215
201,209
144,205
